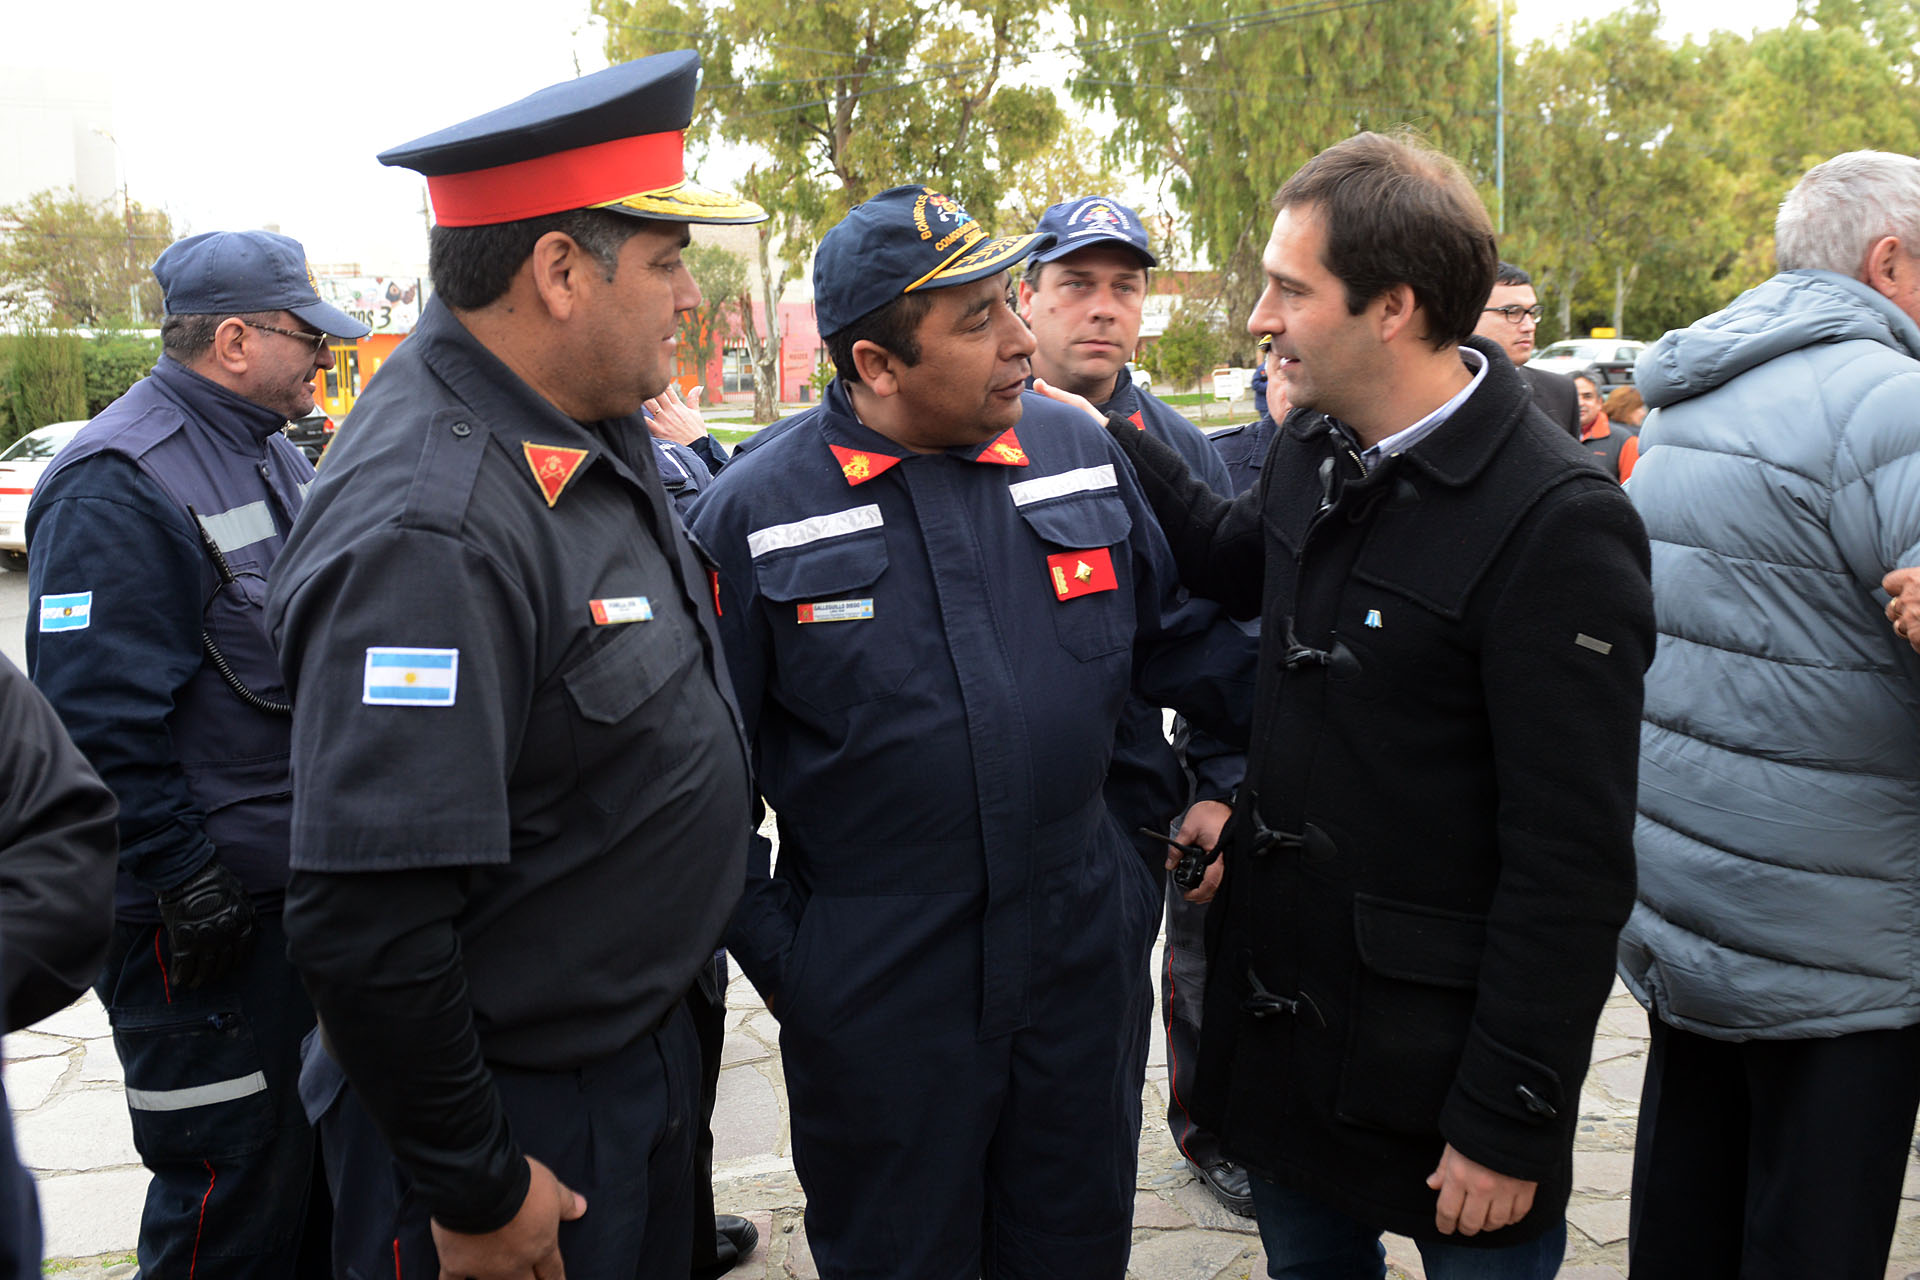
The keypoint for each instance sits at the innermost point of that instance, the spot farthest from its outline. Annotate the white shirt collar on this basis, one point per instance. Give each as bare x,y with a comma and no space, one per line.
1401,441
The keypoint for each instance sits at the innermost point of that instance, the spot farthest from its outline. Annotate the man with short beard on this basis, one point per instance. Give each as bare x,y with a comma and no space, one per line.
150,544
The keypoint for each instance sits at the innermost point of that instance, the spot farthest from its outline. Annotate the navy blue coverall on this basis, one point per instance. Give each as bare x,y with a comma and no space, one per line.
124,588
932,653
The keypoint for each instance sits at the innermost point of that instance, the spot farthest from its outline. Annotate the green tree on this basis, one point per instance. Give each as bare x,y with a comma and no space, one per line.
1228,107
44,382
1191,344
722,277
1614,175
68,261
112,363
1070,166
840,99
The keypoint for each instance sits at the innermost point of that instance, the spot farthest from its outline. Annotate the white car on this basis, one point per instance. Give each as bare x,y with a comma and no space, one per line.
20,469
1611,359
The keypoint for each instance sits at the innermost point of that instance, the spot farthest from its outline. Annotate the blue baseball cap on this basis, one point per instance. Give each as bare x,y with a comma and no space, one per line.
903,239
225,273
1089,220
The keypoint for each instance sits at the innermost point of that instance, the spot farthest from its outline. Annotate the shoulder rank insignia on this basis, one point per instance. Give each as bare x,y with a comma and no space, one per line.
859,466
1006,451
553,465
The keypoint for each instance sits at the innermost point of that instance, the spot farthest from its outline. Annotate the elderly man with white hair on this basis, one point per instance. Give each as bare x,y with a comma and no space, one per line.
1776,940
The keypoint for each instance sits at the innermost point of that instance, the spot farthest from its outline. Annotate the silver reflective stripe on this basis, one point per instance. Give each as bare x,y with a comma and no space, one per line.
240,527
800,532
201,1095
1084,480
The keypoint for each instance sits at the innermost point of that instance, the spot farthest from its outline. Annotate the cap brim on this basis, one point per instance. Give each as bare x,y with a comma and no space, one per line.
688,202
985,258
1074,244
331,320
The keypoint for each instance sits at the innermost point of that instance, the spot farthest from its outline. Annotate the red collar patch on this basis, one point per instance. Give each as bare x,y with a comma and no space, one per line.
1005,451
553,465
860,466
1137,420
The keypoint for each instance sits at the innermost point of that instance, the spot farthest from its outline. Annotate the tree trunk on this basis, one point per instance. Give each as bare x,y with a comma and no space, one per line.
1623,278
766,354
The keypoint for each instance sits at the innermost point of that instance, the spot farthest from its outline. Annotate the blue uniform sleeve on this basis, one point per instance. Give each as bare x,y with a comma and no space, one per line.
1215,767
760,935
1186,654
1216,543
56,859
711,452
101,530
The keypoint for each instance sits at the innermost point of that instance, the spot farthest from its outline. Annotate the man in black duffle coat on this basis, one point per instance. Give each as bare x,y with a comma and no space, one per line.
1426,870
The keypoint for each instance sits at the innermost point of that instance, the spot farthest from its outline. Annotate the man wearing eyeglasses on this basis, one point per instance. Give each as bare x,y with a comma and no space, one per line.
149,542
1508,320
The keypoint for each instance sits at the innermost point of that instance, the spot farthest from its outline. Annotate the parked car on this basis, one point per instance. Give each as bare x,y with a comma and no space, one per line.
312,432
1611,360
20,469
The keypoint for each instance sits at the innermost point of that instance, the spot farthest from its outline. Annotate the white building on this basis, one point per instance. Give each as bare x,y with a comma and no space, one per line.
54,132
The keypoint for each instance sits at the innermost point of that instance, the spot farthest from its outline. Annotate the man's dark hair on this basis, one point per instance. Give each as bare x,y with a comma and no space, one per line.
472,266
1395,214
894,327
186,338
1507,273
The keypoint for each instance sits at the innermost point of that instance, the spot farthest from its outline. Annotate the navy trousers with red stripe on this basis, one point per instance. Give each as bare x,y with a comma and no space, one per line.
212,1079
1183,988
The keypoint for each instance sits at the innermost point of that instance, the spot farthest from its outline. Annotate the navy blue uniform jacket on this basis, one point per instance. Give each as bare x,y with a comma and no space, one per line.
931,653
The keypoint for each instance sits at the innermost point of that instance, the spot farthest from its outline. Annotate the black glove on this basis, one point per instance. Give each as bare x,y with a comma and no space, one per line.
209,920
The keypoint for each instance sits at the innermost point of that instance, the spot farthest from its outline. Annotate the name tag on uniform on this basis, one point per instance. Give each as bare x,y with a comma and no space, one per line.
621,609
1081,573
837,611
66,613
410,677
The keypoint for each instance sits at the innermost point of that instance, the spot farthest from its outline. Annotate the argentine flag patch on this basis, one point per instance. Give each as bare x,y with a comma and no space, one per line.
410,677
66,613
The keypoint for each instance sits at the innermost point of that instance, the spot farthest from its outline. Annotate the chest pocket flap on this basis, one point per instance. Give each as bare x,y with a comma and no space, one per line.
832,664
621,674
1099,626
830,567
1080,522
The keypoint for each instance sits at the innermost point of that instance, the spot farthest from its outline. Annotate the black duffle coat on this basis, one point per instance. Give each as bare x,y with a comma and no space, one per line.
1432,856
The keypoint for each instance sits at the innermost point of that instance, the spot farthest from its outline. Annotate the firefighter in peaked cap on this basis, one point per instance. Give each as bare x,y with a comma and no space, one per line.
511,738
936,592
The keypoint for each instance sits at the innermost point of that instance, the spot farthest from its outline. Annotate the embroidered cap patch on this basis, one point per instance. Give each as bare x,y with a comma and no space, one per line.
410,677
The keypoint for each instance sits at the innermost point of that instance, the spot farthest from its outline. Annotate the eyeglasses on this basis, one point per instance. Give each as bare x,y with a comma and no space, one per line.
1514,314
318,340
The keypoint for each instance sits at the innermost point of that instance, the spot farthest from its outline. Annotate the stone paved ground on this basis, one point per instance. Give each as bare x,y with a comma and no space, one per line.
64,1084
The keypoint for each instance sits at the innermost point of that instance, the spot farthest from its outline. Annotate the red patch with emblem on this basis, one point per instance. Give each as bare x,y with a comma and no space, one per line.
1081,573
859,466
1139,422
553,465
1006,451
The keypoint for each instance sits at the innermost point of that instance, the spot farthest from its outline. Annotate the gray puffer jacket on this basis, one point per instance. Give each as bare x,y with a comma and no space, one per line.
1779,829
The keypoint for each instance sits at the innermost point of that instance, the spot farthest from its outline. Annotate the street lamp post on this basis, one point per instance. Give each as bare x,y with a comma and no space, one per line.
126,217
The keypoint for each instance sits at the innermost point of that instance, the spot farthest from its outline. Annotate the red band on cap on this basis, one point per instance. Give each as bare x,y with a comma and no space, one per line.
554,183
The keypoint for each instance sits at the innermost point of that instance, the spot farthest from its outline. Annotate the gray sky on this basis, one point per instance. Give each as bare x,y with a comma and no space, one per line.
277,118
